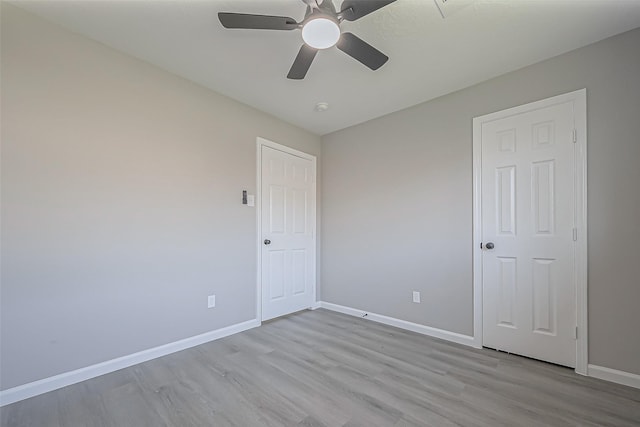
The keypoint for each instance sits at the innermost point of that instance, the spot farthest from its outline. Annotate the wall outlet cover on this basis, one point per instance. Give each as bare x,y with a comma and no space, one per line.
416,296
211,301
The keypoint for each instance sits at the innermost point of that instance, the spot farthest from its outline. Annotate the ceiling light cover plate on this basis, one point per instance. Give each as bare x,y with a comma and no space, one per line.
321,32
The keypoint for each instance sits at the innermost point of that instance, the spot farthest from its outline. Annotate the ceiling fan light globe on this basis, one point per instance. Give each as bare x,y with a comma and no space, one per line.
321,33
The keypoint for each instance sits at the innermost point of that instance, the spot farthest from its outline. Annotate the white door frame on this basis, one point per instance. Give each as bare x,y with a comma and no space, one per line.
579,100
262,142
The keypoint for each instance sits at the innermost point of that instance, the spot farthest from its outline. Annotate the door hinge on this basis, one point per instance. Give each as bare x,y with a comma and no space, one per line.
575,336
575,234
575,136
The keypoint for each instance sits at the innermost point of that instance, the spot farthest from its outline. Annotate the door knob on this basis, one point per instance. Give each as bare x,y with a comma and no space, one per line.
267,241
490,245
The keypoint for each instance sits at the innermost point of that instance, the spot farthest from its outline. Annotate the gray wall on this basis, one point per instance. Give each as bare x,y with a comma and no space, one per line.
397,211
121,190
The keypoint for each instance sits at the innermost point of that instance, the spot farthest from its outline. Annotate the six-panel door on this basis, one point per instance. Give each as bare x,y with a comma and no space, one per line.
528,214
288,241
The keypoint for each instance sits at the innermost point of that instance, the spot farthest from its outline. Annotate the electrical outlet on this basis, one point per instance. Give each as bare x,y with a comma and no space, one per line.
211,301
416,296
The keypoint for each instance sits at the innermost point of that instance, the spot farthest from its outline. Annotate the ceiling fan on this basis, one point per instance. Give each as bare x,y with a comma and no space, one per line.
320,30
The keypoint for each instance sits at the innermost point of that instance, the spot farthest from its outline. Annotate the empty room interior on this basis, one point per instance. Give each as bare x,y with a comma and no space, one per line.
320,213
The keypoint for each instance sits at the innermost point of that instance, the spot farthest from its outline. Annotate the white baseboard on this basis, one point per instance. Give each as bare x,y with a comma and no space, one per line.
45,385
614,375
600,372
402,324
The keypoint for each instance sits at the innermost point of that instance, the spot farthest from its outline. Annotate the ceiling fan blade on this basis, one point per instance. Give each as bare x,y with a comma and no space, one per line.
256,22
362,51
302,62
356,9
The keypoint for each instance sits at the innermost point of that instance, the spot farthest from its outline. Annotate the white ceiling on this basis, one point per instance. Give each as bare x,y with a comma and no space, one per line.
429,56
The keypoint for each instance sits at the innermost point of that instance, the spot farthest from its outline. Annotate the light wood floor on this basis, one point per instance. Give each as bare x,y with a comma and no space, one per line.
326,369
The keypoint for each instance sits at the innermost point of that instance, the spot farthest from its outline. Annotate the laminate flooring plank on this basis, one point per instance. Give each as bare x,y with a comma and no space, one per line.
265,399
512,388
564,389
324,353
152,375
418,355
306,349
245,342
321,407
511,411
347,346
300,367
175,396
407,421
352,400
508,390
448,406
471,364
127,407
217,382
414,405
79,406
306,388
311,422
333,352
325,369
229,408
37,411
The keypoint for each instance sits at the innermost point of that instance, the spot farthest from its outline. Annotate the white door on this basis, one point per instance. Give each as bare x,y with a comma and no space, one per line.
528,209
288,206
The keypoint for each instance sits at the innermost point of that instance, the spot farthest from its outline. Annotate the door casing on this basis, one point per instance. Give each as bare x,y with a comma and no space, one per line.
262,142
579,100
